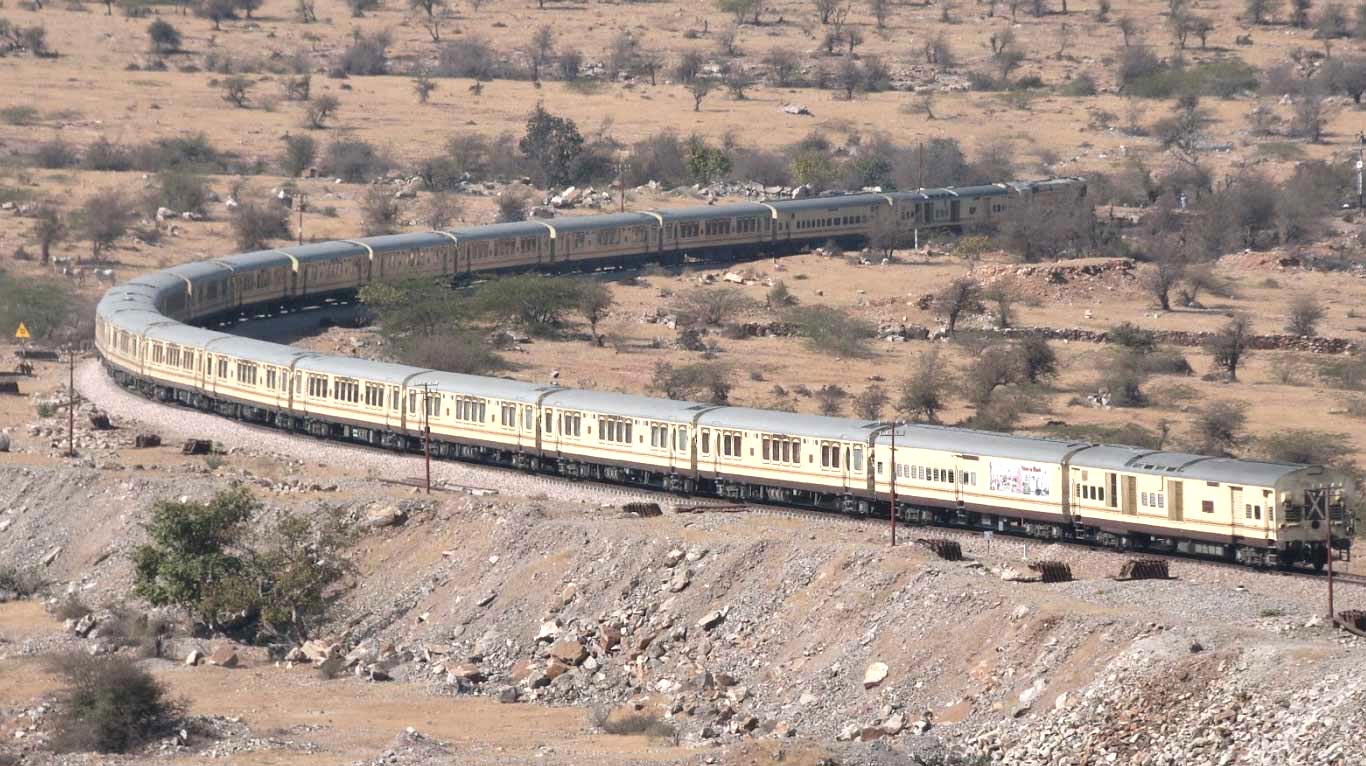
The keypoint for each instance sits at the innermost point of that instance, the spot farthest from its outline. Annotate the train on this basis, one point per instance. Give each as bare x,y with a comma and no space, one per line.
163,335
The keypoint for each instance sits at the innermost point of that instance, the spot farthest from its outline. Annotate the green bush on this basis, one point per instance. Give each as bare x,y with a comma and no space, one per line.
109,704
21,115
833,331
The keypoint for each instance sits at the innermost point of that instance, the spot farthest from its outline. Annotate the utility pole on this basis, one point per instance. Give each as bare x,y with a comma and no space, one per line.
892,514
301,200
427,432
1328,527
621,185
71,402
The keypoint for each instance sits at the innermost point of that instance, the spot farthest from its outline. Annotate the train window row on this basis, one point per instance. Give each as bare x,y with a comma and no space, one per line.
468,410
613,430
780,450
1254,511
570,424
826,223
1089,492
246,373
732,445
659,437
347,391
1152,499
932,474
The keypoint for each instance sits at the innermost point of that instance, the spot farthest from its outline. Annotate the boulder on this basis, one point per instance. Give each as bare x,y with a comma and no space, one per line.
711,619
465,671
521,670
507,695
784,729
680,580
224,657
550,630
894,724
569,651
869,733
874,675
848,732
330,667
610,636
85,625
194,657
672,558
317,651
385,516
554,669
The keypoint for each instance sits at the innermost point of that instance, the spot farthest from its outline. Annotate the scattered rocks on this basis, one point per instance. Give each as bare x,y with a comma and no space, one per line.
385,516
569,652
874,675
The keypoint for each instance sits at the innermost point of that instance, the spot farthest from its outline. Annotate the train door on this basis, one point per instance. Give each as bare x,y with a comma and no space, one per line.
1130,495
1175,501
706,453
1235,507
955,211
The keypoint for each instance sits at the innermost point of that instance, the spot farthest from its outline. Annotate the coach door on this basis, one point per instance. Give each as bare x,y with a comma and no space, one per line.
955,210
1130,495
1175,501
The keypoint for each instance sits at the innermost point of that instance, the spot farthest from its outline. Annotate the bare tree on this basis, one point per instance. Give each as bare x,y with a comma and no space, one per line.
870,402
784,66
727,40
825,9
1001,296
440,210
430,15
1168,265
593,300
881,10
925,394
1260,11
322,109
379,211
699,90
849,77
1231,345
48,229
1311,115
961,295
541,50
1305,313
1127,27
235,90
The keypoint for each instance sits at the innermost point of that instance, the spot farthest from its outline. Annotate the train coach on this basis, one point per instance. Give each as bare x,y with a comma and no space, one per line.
1239,510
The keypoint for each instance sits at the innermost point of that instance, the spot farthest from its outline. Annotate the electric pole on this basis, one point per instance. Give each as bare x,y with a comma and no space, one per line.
71,402
892,514
427,432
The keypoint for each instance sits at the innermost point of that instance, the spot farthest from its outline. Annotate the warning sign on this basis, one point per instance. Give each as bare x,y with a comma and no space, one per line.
22,332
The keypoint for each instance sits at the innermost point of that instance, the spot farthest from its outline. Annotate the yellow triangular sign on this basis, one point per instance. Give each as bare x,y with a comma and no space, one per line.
22,332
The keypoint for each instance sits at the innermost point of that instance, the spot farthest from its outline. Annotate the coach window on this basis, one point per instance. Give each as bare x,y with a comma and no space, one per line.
681,439
857,465
659,437
706,442
528,419
222,368
1207,506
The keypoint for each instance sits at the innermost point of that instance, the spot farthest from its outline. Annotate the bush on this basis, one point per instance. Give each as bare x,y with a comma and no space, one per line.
379,211
127,627
353,160
109,704
832,330
470,56
1218,429
104,155
180,191
1080,86
1133,337
464,352
1305,313
22,583
55,155
709,382
321,109
368,55
513,204
255,224
299,155
1303,445
713,306
22,115
103,218
165,38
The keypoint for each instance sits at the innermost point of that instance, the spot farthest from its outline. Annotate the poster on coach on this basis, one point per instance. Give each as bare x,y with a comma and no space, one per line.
1021,478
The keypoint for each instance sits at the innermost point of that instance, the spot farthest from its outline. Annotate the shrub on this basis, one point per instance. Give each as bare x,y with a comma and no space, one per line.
1133,337
1080,86
470,56
236,90
55,154
368,54
705,381
709,305
379,211
832,330
109,704
180,191
127,627
22,583
634,723
1303,445
321,109
353,160
21,115
513,204
299,155
104,218
255,224
165,38
463,352
870,402
1305,313
107,156
1218,429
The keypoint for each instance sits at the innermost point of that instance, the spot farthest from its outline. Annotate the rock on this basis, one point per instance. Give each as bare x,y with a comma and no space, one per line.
894,724
164,212
554,669
920,727
194,657
680,580
874,675
696,554
550,630
85,625
507,695
796,109
4,442
465,671
487,599
784,729
1011,574
50,556
569,651
223,657
807,698
610,636
711,619
521,670
1313,622
384,516
1020,613
672,558
848,732
317,651
869,733
330,667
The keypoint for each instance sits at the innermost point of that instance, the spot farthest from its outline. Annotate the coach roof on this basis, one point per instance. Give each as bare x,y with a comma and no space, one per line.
625,405
788,423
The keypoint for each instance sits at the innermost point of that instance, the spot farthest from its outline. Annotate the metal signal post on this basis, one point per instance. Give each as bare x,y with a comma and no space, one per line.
427,431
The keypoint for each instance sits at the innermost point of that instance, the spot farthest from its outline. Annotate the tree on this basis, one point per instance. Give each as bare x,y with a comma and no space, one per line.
1259,11
1185,128
1219,427
1038,359
255,224
164,37
1001,296
1231,345
925,393
870,402
961,295
512,204
1168,266
1305,313
552,144
784,66
440,210
248,6
541,50
849,76
235,90
430,14
881,10
423,86
707,381
1127,27
743,9
593,301
832,330
299,154
699,90
379,211
217,11
1299,12
104,218
1310,118
321,109
825,9
701,306
194,555
306,10
48,229
706,163
1201,27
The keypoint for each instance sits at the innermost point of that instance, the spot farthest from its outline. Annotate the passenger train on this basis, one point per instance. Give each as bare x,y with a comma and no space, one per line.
1247,511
